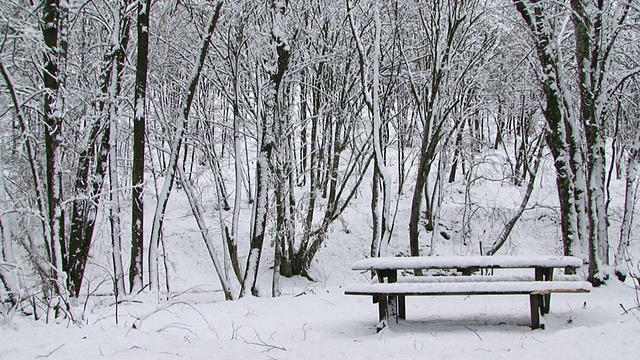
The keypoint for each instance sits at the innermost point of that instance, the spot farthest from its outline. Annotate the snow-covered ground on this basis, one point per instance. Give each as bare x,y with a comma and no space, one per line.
317,321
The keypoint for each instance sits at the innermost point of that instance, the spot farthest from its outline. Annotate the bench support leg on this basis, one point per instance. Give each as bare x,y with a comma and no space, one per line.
402,312
535,302
388,309
545,274
393,308
546,306
382,307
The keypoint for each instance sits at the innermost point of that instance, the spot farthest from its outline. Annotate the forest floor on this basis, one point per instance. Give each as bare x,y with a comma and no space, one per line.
314,319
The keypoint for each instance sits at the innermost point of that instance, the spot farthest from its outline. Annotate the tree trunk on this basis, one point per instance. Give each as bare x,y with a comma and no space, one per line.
532,170
197,211
139,123
52,118
88,181
232,244
561,137
593,58
373,103
276,68
621,266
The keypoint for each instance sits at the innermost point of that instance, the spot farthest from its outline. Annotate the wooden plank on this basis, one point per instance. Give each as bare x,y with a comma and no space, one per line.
516,287
465,262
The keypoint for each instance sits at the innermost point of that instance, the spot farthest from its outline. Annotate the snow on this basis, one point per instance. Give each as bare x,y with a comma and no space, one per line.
321,323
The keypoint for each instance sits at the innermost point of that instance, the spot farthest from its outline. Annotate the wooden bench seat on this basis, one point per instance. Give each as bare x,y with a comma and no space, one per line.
469,288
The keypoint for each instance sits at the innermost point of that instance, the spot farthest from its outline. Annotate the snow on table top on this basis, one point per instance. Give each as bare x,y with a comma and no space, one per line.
478,278
461,262
465,288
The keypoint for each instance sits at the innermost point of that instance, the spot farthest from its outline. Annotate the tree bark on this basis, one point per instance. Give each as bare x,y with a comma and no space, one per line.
52,118
139,124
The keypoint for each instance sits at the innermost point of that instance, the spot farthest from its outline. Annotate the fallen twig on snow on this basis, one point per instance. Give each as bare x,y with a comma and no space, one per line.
263,343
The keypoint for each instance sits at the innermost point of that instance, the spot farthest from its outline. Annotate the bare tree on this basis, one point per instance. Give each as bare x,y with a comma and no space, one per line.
276,68
447,26
93,157
581,193
176,145
382,222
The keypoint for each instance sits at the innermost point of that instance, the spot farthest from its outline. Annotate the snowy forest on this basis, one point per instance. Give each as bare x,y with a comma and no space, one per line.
147,145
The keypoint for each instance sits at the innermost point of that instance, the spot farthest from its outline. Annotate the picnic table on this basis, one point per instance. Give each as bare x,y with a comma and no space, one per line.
389,290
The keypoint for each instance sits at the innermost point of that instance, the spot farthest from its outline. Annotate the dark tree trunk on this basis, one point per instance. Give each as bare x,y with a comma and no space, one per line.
139,122
52,118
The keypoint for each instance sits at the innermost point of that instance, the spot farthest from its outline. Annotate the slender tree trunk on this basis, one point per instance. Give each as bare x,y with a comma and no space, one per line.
532,169
89,182
239,177
123,23
433,124
204,231
314,163
276,68
52,117
139,123
376,221
627,218
172,166
304,143
114,214
373,103
88,185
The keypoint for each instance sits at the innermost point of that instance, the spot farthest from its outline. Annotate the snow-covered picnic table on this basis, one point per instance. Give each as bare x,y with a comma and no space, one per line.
389,291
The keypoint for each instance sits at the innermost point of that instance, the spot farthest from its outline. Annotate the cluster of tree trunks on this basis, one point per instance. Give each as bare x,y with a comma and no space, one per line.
320,94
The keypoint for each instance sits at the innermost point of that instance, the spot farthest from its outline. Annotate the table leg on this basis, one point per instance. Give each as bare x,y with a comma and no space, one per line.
393,308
